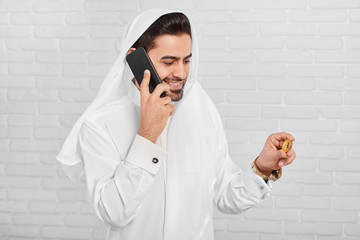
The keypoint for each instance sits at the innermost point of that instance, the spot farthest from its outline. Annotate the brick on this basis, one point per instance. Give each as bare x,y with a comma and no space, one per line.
19,182
276,56
353,152
354,15
81,220
65,232
284,237
257,70
313,228
16,57
251,124
58,6
352,29
93,18
34,145
37,219
250,226
216,96
17,81
18,107
102,58
309,125
253,98
262,42
348,178
229,29
303,203
235,235
13,206
53,207
62,82
31,120
352,229
317,16
271,214
35,69
340,84
279,4
308,178
286,84
335,138
318,98
57,183
328,216
328,4
16,31
225,83
61,57
111,5
23,231
339,165
259,16
320,151
211,43
69,121
226,56
341,113
37,19
352,43
62,108
31,194
273,29
71,195
239,111
352,99
289,112
338,57
314,43
347,203
212,69
44,31
23,170
21,157
49,133
324,190
350,126
32,95
353,70
316,71
15,6
237,137
5,218
286,189
113,32
210,16
217,5
77,45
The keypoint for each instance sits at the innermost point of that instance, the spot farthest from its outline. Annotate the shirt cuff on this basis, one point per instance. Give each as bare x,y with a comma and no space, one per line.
146,155
255,184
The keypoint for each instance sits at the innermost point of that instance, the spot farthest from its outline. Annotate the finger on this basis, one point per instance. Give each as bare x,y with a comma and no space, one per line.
278,138
144,87
160,88
290,159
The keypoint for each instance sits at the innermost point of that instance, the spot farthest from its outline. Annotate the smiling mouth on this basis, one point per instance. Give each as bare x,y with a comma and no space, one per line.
175,84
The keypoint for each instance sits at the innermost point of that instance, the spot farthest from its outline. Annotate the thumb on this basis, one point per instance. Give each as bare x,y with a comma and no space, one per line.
144,87
281,155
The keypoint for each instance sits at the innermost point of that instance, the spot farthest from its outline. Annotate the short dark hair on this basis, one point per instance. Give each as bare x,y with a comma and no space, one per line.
172,24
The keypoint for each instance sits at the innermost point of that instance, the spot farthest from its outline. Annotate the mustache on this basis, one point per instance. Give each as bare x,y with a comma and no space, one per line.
173,79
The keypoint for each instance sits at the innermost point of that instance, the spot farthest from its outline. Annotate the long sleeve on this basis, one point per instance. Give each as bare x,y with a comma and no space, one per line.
235,190
117,186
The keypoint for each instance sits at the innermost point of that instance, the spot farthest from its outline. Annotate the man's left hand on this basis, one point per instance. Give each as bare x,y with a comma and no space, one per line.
272,157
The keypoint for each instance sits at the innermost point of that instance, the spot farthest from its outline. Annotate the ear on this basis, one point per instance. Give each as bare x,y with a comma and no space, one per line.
131,50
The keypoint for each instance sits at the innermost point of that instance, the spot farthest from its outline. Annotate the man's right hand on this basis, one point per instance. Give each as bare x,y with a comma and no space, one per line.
155,111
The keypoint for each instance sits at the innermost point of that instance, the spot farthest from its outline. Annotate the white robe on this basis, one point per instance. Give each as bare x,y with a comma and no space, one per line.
136,197
169,200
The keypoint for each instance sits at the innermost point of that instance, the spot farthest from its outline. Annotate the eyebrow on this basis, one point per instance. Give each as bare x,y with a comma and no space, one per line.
175,58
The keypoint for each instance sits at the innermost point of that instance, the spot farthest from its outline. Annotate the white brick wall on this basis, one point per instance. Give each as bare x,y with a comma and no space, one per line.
269,65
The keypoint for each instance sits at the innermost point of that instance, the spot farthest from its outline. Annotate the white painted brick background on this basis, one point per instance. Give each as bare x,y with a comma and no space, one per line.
269,65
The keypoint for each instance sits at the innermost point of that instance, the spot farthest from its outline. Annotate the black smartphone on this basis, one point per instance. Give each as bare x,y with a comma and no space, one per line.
138,62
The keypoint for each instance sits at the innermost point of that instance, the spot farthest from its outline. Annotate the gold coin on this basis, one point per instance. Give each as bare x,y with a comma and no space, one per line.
287,145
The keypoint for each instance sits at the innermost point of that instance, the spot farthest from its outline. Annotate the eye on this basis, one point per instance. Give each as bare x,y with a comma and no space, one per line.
187,61
168,63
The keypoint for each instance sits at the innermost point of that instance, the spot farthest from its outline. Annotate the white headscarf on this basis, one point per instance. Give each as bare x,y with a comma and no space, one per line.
193,138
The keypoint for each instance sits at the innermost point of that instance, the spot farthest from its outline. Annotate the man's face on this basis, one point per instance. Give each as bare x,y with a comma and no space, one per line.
171,59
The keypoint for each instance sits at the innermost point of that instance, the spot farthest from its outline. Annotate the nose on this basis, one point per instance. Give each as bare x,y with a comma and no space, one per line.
181,71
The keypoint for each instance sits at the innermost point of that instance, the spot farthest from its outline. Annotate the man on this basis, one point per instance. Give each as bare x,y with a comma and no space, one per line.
156,166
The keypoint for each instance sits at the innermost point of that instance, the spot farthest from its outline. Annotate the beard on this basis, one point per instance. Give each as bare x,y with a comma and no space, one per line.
175,94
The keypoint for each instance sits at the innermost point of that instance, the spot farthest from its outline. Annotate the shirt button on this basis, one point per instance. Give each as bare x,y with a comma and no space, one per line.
262,187
155,160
